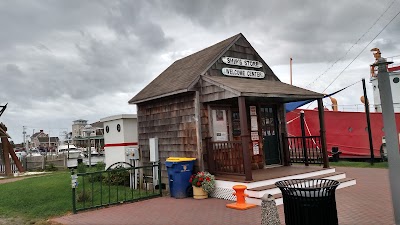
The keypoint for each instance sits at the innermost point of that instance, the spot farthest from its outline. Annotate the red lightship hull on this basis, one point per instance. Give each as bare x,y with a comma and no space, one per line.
346,130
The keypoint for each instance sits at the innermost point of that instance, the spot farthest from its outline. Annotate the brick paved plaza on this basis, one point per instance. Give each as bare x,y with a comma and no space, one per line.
367,203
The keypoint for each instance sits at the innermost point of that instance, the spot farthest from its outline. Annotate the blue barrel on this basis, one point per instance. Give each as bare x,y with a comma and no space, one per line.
179,171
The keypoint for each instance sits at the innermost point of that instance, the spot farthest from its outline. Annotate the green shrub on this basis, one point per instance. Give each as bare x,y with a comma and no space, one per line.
51,167
38,169
100,166
83,196
81,168
97,176
117,177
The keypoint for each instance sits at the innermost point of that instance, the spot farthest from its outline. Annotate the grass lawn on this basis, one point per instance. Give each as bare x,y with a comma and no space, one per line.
33,200
36,198
343,163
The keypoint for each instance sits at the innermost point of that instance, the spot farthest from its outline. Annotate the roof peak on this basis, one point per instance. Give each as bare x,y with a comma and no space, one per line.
233,37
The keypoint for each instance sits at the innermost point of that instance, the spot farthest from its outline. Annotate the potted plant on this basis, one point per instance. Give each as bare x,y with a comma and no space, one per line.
203,183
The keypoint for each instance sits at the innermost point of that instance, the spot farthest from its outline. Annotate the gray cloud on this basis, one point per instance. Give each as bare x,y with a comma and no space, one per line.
67,60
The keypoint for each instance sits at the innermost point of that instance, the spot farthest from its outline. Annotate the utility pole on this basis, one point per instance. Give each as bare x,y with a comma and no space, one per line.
392,142
23,135
27,143
48,148
291,71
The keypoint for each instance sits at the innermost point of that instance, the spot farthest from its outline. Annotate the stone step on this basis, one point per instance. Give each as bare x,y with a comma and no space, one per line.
344,182
258,192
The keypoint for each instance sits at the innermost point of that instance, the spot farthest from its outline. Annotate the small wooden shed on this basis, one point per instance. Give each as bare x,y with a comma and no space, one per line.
222,105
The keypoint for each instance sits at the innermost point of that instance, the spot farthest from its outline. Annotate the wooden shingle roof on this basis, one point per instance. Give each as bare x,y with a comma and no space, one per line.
262,88
183,73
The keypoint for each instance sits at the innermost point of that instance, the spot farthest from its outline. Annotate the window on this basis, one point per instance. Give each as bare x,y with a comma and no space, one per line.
235,123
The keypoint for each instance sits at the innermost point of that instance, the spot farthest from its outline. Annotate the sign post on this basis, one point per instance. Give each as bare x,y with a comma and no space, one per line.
74,183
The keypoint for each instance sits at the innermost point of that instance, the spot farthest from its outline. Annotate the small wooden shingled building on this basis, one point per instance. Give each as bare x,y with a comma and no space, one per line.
222,105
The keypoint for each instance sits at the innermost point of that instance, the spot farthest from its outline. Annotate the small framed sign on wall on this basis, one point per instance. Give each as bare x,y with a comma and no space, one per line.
256,148
254,123
253,110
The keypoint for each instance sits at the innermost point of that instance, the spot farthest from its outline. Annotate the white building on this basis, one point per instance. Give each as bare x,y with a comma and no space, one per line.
394,77
120,138
77,128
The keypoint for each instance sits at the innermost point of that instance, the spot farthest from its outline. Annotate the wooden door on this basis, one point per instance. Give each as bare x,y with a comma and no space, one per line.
270,136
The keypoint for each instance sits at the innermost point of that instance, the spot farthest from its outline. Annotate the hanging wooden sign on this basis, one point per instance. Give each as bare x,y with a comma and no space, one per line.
242,73
241,62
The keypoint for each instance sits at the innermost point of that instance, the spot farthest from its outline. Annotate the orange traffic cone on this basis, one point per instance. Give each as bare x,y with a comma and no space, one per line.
240,199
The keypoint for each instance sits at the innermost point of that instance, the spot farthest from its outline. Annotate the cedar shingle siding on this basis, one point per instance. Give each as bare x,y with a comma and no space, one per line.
171,120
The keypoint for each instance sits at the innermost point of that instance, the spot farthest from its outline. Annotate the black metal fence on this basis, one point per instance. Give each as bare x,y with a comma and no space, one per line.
306,150
103,188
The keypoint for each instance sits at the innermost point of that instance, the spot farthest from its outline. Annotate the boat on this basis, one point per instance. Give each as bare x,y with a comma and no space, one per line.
21,154
93,152
34,152
70,150
347,131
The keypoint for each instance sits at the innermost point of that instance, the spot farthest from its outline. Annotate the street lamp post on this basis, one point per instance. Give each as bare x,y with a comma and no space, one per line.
27,143
392,142
68,135
88,129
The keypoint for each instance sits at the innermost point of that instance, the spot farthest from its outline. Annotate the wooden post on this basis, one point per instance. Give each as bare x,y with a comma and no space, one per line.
43,162
245,138
15,158
286,153
303,137
210,156
366,105
198,130
7,163
323,133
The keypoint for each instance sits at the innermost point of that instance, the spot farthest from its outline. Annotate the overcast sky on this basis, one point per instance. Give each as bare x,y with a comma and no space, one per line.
66,60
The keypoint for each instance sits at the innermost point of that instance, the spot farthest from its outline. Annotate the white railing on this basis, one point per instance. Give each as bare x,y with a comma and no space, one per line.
352,108
14,168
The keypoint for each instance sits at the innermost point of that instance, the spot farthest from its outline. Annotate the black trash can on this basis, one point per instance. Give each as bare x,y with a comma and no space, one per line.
309,201
335,154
